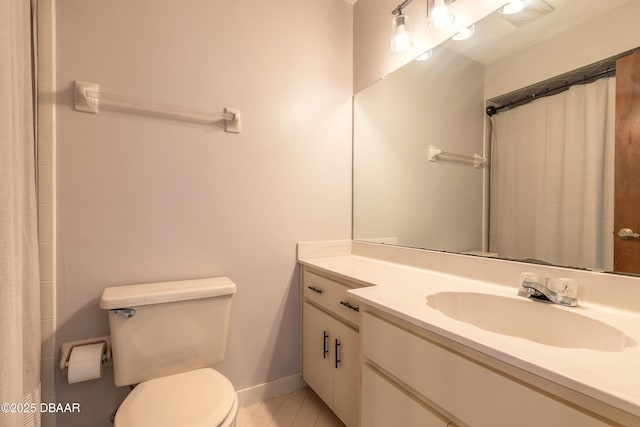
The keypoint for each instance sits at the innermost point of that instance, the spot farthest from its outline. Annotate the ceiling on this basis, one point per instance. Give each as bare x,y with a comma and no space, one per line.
496,37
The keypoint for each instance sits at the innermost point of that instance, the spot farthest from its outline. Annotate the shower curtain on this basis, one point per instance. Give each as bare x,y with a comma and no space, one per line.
19,279
552,178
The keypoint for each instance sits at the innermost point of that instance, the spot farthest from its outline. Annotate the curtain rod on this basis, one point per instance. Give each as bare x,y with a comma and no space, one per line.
493,110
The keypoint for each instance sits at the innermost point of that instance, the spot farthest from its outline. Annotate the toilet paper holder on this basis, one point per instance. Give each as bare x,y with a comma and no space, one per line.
66,347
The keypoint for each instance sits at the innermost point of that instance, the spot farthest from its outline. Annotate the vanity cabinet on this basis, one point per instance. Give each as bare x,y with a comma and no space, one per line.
387,404
331,344
416,372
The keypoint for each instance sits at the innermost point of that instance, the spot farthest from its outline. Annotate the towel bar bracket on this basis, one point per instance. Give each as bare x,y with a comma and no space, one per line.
83,102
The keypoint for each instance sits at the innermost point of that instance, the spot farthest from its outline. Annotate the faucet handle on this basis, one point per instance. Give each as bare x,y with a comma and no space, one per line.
528,277
530,286
567,287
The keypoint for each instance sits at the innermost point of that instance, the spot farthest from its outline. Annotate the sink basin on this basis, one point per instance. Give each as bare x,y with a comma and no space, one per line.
531,320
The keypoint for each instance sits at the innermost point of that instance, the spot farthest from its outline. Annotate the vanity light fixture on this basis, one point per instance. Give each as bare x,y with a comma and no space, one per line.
400,36
400,39
428,54
465,33
514,6
438,16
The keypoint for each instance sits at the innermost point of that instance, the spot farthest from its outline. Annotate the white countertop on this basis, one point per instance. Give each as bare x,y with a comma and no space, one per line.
609,376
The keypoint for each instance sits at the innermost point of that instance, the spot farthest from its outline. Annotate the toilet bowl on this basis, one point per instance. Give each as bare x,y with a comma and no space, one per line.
200,398
165,337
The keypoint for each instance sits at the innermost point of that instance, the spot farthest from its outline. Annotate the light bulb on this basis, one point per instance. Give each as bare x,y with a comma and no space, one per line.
428,54
440,10
465,34
400,38
440,16
514,6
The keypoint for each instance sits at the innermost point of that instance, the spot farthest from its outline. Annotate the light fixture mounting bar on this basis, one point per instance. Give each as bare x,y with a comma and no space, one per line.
401,6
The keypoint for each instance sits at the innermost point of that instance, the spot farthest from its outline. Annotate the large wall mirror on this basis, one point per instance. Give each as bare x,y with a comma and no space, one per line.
532,181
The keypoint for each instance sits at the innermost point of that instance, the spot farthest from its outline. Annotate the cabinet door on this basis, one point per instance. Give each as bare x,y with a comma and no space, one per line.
317,353
384,404
346,373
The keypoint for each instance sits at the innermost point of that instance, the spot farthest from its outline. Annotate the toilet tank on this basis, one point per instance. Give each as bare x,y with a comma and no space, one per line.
160,329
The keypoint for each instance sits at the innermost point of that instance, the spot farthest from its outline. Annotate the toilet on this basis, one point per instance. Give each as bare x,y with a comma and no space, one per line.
164,338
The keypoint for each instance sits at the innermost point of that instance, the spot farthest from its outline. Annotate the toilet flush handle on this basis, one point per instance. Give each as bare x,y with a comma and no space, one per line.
126,312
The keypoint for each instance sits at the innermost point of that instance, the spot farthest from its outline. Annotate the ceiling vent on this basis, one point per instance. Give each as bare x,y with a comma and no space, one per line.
534,10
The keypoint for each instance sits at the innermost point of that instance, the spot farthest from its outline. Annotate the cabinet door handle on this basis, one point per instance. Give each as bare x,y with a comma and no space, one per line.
349,305
315,289
325,349
337,353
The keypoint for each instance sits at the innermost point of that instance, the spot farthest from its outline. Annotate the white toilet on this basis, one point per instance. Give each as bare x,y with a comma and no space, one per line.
164,337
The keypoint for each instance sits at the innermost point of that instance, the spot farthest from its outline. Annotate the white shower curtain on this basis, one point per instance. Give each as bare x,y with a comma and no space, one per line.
19,279
552,178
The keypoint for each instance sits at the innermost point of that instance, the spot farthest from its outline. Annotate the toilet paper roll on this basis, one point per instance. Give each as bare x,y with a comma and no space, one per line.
85,362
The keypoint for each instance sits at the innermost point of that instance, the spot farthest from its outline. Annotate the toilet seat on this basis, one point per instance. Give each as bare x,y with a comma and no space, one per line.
200,398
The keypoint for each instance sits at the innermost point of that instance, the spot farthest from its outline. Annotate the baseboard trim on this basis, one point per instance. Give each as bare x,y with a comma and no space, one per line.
262,392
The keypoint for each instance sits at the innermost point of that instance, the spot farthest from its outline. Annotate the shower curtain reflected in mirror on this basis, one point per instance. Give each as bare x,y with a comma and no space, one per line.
19,279
552,178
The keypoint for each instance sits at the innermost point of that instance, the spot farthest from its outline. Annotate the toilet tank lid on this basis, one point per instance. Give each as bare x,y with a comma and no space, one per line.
163,292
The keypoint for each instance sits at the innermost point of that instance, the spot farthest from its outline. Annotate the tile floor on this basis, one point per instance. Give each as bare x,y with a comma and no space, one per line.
302,408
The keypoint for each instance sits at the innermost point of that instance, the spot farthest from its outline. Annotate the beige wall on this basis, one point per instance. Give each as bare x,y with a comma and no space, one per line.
143,199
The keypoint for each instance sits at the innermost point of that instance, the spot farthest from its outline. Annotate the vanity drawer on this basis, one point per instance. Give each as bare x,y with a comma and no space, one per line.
379,395
331,295
476,394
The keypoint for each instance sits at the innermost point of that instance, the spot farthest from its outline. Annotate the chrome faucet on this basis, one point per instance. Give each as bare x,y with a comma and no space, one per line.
531,288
